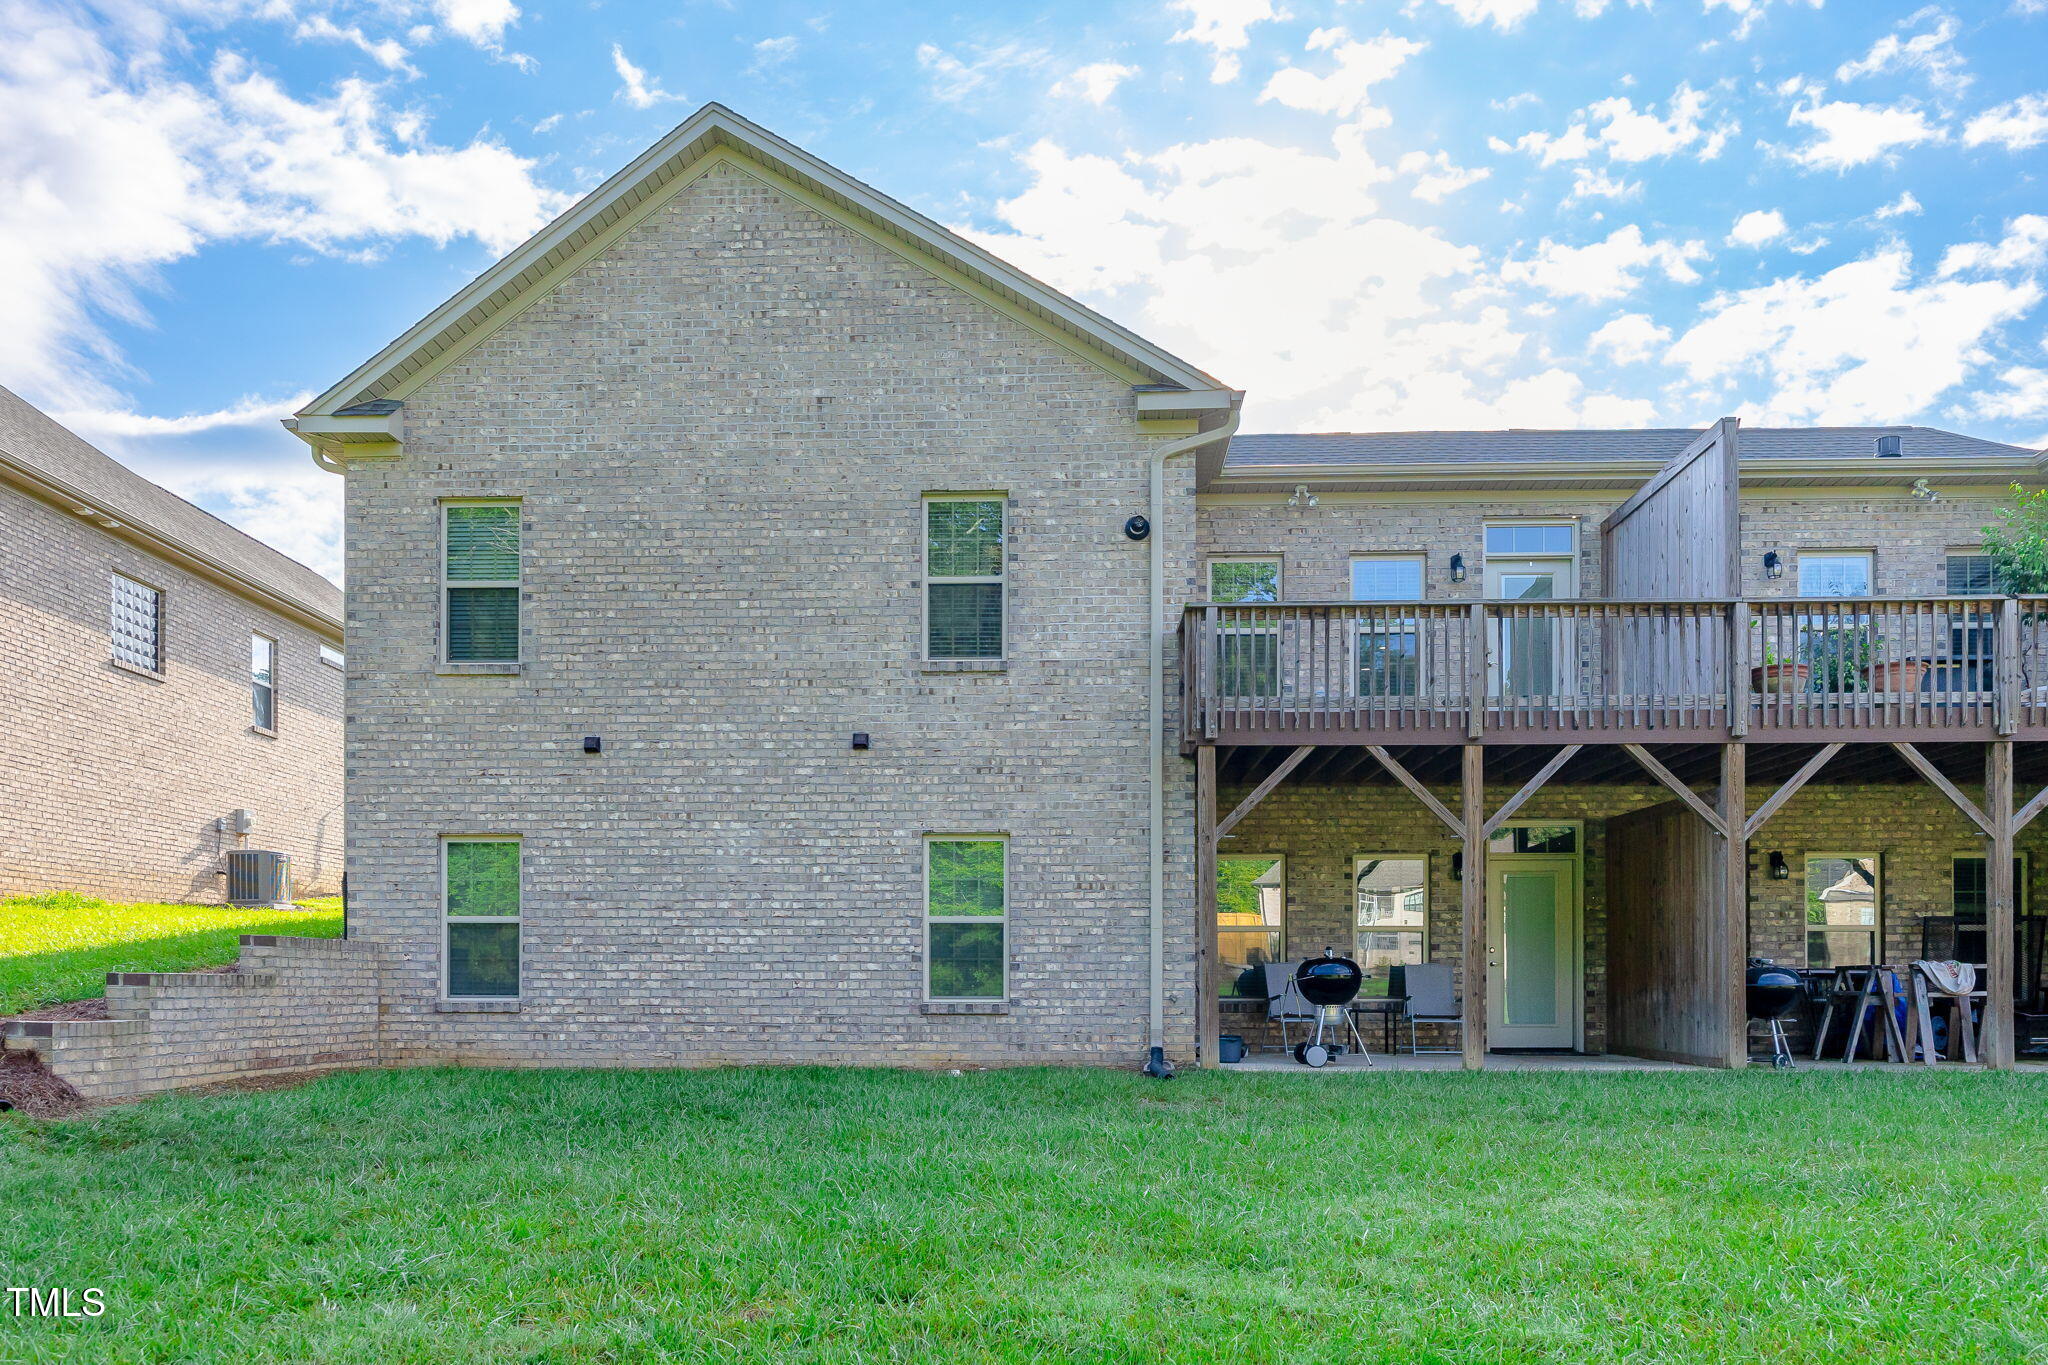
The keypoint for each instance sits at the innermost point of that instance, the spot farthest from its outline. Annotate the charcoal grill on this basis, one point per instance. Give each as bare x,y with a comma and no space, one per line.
1329,984
1774,992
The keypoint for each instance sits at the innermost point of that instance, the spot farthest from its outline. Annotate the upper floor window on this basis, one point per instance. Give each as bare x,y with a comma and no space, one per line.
963,567
263,681
138,624
1835,573
1244,580
1531,539
1970,574
1386,578
480,581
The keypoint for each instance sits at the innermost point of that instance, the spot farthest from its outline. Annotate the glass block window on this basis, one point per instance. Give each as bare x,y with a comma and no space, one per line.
480,900
481,581
137,626
1519,539
1970,574
263,681
963,563
966,918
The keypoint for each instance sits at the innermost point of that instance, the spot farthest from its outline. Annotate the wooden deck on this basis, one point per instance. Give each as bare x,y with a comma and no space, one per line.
1875,670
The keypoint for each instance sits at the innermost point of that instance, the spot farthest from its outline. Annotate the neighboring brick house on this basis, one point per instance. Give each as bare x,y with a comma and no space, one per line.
781,631
161,672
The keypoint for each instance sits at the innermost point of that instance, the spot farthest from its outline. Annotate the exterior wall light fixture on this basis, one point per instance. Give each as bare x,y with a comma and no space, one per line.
1774,565
1779,871
1457,568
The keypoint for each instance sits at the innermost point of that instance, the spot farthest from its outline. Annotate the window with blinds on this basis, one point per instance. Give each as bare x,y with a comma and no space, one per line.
480,581
963,563
1970,574
137,625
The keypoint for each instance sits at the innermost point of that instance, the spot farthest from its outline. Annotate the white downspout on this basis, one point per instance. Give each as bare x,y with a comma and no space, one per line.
1156,640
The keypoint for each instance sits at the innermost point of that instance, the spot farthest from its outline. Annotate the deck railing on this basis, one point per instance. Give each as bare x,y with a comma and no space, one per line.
1959,667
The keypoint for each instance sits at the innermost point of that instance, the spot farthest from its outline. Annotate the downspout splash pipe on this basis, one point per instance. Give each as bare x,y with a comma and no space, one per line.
1157,638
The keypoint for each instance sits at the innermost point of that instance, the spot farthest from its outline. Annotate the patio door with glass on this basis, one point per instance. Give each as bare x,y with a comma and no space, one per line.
1531,562
1532,952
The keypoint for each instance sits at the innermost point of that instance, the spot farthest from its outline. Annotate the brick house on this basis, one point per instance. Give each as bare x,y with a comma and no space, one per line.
162,672
782,631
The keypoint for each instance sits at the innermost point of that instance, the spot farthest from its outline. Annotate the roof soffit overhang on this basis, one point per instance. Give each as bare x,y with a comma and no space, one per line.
340,424
1623,475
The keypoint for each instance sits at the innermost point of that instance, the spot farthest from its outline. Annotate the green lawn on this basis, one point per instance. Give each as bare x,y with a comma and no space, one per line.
59,946
808,1215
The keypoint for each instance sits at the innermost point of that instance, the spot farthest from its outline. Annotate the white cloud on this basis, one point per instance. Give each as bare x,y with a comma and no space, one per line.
771,52
1095,82
1436,178
953,79
1616,127
1631,338
1757,227
1347,90
102,424
2015,125
2024,397
1223,26
388,53
1932,53
1900,207
1588,183
116,169
634,86
1864,342
1852,134
2024,247
1502,14
1604,270
482,22
1748,12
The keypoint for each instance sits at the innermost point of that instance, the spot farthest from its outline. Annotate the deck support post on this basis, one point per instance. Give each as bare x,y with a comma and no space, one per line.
1996,1043
1473,785
1208,988
1734,908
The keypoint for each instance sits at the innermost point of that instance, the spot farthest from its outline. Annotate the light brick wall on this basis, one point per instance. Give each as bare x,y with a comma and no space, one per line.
721,430
1909,539
111,782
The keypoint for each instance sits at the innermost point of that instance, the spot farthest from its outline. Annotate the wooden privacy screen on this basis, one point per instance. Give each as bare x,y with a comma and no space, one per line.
1668,964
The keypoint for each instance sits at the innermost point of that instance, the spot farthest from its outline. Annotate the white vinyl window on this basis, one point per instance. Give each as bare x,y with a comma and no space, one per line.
1390,900
1247,645
480,581
263,682
963,568
137,624
1251,920
967,915
1835,573
480,895
1844,909
1389,654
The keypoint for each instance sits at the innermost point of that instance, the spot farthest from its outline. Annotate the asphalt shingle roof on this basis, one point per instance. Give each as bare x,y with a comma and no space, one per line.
31,438
1653,444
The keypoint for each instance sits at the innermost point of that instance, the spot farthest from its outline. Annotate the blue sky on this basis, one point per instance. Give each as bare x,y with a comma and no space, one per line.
1438,213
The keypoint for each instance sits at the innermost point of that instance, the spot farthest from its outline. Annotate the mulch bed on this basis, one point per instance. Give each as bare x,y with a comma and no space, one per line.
29,1087
70,1009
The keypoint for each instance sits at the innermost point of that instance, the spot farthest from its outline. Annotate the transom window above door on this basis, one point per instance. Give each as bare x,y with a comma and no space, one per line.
1835,573
1244,580
1521,539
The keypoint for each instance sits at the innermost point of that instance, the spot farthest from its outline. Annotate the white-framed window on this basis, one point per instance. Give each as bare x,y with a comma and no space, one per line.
1251,920
1844,909
1247,646
1836,573
1390,902
333,658
1532,540
480,580
263,682
1388,650
967,916
480,897
137,625
964,607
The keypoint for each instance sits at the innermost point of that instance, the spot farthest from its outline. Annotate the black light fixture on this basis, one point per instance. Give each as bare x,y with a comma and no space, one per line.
1780,872
860,739
1457,568
1774,566
1457,867
1137,528
592,744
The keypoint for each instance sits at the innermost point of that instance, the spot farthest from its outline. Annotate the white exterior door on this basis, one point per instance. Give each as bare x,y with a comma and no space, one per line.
1529,654
1533,982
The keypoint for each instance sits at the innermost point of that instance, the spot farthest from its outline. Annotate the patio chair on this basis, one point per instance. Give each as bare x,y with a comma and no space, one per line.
1426,989
1285,1002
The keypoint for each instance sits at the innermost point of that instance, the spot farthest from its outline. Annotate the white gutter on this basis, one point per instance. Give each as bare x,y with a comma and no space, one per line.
1156,640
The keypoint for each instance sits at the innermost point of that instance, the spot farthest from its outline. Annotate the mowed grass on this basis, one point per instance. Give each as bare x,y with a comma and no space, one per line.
805,1215
59,946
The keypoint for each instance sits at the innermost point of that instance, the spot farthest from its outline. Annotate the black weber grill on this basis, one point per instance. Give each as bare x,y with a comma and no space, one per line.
1328,984
1773,993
